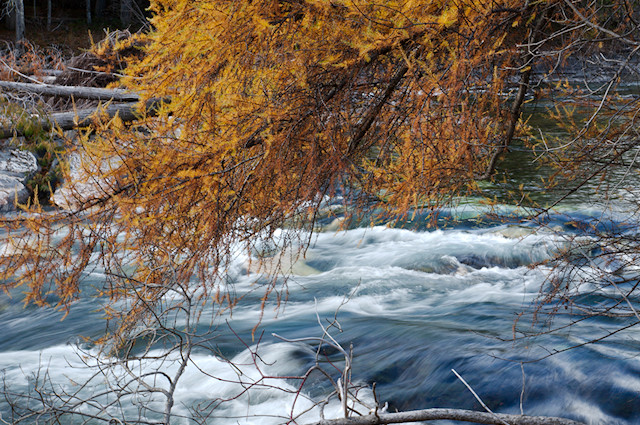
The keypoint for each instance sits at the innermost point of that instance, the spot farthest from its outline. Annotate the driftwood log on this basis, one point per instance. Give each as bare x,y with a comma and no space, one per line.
449,414
117,95
71,120
83,117
128,111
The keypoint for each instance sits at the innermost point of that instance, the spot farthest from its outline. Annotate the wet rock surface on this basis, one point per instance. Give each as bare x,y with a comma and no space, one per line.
85,181
16,167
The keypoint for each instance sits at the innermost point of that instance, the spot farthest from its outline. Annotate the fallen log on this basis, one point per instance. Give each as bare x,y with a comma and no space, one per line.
448,414
74,119
77,92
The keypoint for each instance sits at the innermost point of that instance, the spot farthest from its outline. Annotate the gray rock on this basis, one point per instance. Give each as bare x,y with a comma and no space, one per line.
16,167
17,163
81,185
11,189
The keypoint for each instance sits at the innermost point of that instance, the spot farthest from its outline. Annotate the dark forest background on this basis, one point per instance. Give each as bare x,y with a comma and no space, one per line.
71,24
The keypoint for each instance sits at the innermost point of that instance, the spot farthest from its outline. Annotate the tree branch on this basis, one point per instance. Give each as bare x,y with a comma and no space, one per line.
448,414
372,114
516,108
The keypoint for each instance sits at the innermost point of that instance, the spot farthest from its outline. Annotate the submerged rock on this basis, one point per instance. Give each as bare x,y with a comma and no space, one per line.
286,262
16,167
84,182
515,231
451,265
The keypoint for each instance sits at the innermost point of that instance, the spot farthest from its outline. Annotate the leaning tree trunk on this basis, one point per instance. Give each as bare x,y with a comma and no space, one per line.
125,12
523,88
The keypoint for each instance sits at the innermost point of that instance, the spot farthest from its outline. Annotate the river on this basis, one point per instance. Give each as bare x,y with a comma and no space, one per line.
413,302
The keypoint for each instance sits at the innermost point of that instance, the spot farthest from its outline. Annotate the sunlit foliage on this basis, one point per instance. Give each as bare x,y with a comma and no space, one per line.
271,108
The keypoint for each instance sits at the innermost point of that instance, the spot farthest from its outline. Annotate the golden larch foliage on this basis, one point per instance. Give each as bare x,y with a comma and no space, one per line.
271,108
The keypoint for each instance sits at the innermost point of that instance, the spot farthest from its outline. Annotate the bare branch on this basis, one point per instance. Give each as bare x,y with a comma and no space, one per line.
448,414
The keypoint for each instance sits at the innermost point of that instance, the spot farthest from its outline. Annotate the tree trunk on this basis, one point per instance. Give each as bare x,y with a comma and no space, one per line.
72,91
19,13
69,120
48,15
100,6
10,18
125,12
88,3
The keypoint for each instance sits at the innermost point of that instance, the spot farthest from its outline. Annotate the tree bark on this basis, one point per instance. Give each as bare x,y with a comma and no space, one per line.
69,120
100,6
10,19
88,5
72,91
48,15
125,12
19,11
448,414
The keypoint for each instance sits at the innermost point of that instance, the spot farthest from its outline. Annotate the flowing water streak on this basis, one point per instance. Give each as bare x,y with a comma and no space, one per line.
419,304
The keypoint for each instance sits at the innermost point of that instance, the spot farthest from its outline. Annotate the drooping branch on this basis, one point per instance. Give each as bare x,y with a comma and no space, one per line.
516,107
372,114
448,414
589,22
78,92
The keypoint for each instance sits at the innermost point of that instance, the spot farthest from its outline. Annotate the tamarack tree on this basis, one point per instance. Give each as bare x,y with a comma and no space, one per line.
272,108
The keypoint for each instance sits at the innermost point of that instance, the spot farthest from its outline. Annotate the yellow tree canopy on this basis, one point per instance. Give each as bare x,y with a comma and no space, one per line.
273,107
268,109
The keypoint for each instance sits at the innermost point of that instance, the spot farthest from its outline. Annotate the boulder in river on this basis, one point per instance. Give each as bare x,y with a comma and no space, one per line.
82,183
16,167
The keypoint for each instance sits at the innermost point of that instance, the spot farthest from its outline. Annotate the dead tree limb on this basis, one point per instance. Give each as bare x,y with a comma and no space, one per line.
523,88
448,414
77,92
83,117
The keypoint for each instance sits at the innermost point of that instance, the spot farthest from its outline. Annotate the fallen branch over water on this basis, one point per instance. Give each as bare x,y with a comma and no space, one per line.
448,414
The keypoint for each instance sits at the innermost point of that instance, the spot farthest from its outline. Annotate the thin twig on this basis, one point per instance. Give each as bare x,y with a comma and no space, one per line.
20,73
478,397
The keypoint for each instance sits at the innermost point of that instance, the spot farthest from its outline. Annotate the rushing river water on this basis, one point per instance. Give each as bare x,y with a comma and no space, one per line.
413,302
420,304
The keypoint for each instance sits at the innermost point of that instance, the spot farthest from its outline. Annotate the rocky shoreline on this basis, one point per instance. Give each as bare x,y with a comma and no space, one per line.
16,168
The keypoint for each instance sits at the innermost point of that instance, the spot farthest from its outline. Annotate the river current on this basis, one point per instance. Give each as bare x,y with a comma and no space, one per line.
413,303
